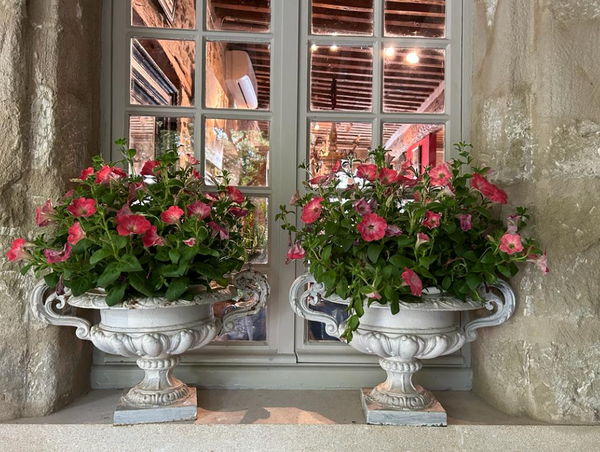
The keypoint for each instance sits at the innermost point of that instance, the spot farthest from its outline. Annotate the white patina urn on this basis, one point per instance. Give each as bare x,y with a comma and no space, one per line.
156,332
423,330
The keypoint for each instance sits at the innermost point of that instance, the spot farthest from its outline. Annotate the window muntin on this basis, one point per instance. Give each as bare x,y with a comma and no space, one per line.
251,16
342,17
415,19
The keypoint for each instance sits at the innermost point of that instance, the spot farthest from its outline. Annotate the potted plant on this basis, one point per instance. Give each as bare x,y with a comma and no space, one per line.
405,249
152,252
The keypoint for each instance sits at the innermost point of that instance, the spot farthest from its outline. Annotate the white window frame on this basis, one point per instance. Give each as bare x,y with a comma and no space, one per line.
285,360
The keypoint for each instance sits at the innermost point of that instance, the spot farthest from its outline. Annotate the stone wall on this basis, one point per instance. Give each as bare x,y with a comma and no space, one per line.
49,129
536,120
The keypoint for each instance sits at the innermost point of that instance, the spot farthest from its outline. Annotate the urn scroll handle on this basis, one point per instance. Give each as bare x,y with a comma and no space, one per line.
254,289
505,306
301,300
43,306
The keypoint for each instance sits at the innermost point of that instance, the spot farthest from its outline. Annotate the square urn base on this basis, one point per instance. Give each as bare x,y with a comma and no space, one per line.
434,416
182,411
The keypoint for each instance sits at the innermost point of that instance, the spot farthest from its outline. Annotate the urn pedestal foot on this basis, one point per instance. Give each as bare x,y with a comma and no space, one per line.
376,413
184,410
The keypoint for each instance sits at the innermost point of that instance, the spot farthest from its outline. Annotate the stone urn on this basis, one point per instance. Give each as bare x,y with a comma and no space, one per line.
156,332
419,331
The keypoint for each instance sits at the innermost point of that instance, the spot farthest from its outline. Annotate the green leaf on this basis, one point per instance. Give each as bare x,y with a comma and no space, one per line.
25,269
99,255
373,252
342,287
426,261
405,241
81,285
474,280
470,255
329,278
446,282
504,270
353,322
326,254
129,263
140,283
177,288
450,227
81,246
206,251
115,294
174,255
109,275
358,306
120,241
488,258
400,261
51,278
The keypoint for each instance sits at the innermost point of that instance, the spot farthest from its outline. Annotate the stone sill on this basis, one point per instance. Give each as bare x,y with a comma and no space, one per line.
262,420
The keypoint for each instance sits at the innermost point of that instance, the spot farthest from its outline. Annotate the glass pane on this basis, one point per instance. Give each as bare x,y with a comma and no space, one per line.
239,15
341,78
331,142
342,17
415,18
238,75
162,72
163,13
422,144
316,330
240,147
413,80
152,136
256,231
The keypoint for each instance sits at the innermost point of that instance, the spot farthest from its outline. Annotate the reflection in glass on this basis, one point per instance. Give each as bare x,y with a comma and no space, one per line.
256,231
421,144
413,80
333,141
163,13
251,16
342,17
316,330
237,75
240,147
152,136
162,72
341,78
415,18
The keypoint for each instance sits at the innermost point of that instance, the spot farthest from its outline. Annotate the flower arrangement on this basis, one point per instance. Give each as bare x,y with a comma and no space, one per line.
389,233
153,234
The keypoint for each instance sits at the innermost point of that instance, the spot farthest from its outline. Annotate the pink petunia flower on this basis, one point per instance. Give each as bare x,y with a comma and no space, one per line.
312,211
235,195
17,251
373,295
412,280
171,215
45,214
488,189
54,256
108,173
372,227
440,175
392,231
408,181
421,238
211,197
540,261
319,180
512,224
388,176
295,197
367,171
190,242
86,173
76,233
198,209
295,252
132,224
151,238
465,221
196,175
125,210
511,243
238,212
190,159
363,207
148,168
432,219
82,207
216,229
336,167
448,191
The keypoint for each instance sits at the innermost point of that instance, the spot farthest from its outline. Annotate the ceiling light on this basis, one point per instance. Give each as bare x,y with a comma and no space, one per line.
317,127
313,47
412,58
333,48
389,52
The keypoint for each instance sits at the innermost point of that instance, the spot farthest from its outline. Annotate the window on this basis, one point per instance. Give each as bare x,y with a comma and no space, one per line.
255,87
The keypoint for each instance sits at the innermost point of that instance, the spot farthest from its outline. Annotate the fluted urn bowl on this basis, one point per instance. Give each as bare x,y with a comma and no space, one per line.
423,330
156,332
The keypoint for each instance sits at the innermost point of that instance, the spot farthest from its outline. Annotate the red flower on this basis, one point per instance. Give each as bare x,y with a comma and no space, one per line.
372,227
373,295
132,224
75,233
235,195
465,221
432,219
45,214
125,210
408,181
488,189
362,206
171,215
53,256
336,167
196,174
295,197
312,210
512,224
191,160
421,238
211,196
540,261
367,171
148,168
190,242
440,175
17,251
151,238
86,173
412,279
295,252
511,243
82,207
393,231
319,180
388,176
198,209
238,212
216,229
108,173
